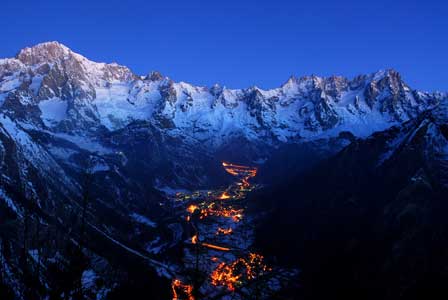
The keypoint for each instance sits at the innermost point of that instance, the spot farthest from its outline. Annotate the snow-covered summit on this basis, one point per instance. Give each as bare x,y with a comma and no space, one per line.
61,112
65,91
43,53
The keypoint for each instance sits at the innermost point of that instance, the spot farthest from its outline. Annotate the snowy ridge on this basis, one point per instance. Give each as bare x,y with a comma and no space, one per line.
72,92
81,138
59,109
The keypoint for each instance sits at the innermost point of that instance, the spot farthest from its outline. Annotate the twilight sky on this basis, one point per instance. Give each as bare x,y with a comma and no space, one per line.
242,43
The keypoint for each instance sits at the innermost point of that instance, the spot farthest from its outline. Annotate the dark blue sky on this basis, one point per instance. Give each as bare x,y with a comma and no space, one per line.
242,43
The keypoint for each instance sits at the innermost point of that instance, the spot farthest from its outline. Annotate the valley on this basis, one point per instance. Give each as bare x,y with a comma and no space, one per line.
115,185
218,261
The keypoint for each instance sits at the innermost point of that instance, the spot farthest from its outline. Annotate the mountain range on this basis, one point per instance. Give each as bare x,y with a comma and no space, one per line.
67,122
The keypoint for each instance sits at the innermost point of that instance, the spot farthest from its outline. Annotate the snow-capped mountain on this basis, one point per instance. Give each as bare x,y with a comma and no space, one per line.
65,92
58,108
67,122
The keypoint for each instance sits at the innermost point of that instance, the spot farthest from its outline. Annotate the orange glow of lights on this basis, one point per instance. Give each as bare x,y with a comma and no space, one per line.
235,166
181,291
192,208
224,196
224,275
215,247
233,274
224,231
243,172
194,239
235,214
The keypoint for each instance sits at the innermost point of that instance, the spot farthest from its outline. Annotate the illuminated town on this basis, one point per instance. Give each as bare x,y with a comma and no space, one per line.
220,236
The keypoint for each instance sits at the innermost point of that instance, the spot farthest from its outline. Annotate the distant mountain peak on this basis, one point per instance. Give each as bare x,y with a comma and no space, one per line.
155,76
386,73
111,95
44,52
291,82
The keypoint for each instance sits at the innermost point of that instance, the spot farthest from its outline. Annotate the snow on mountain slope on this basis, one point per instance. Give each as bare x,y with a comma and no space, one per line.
70,126
72,92
53,111
77,108
32,152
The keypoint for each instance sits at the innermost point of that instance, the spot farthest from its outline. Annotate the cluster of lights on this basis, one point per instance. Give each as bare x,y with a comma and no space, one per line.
224,231
227,212
214,210
234,274
244,172
182,291
224,196
192,208
230,275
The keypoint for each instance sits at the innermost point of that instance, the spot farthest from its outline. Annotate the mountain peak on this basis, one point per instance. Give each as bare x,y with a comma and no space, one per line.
292,81
155,76
386,73
44,52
